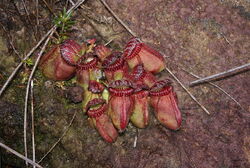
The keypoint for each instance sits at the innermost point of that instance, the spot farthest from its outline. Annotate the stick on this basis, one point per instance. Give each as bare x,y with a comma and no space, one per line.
72,3
218,87
26,11
28,15
32,123
117,18
64,133
34,48
37,13
20,155
28,88
31,76
221,75
47,5
136,137
27,92
11,41
27,56
189,93
76,5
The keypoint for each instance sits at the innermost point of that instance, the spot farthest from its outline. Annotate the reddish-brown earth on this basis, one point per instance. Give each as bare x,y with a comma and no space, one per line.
200,37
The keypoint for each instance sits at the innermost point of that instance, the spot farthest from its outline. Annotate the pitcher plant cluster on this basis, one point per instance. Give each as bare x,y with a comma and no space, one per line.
118,87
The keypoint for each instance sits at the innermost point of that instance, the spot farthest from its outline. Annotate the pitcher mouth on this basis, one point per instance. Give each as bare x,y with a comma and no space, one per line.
121,88
132,48
96,107
140,87
87,61
138,72
161,88
95,87
113,62
69,49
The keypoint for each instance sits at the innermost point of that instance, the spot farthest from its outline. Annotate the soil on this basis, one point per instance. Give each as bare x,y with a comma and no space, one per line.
199,37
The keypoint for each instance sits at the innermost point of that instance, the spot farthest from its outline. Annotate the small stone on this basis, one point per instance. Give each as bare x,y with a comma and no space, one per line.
74,94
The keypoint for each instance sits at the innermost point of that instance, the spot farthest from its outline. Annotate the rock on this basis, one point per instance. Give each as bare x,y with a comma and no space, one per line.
74,94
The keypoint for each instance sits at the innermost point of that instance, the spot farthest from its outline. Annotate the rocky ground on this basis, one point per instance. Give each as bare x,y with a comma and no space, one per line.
195,36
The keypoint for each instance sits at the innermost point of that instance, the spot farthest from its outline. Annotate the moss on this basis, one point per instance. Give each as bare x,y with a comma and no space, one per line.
6,61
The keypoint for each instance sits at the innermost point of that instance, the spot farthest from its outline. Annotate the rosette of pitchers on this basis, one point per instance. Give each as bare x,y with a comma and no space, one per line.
118,87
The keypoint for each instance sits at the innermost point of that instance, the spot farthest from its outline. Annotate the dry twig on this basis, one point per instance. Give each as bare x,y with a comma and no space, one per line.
49,33
34,48
136,138
28,16
11,41
31,76
47,5
28,87
218,87
32,123
64,133
189,93
37,13
27,92
110,41
222,75
26,11
19,155
25,58
117,18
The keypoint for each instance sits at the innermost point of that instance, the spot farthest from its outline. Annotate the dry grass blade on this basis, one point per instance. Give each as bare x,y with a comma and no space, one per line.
72,3
118,19
222,90
110,41
20,155
136,138
28,89
76,5
11,41
26,10
25,58
188,92
64,133
47,5
29,81
32,122
221,75
37,13
34,48
31,76
28,15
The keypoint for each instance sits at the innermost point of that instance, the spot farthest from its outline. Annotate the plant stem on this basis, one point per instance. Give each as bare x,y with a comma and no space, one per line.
222,75
19,155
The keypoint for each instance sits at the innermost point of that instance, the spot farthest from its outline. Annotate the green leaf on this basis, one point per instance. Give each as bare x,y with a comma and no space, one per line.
63,21
29,62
